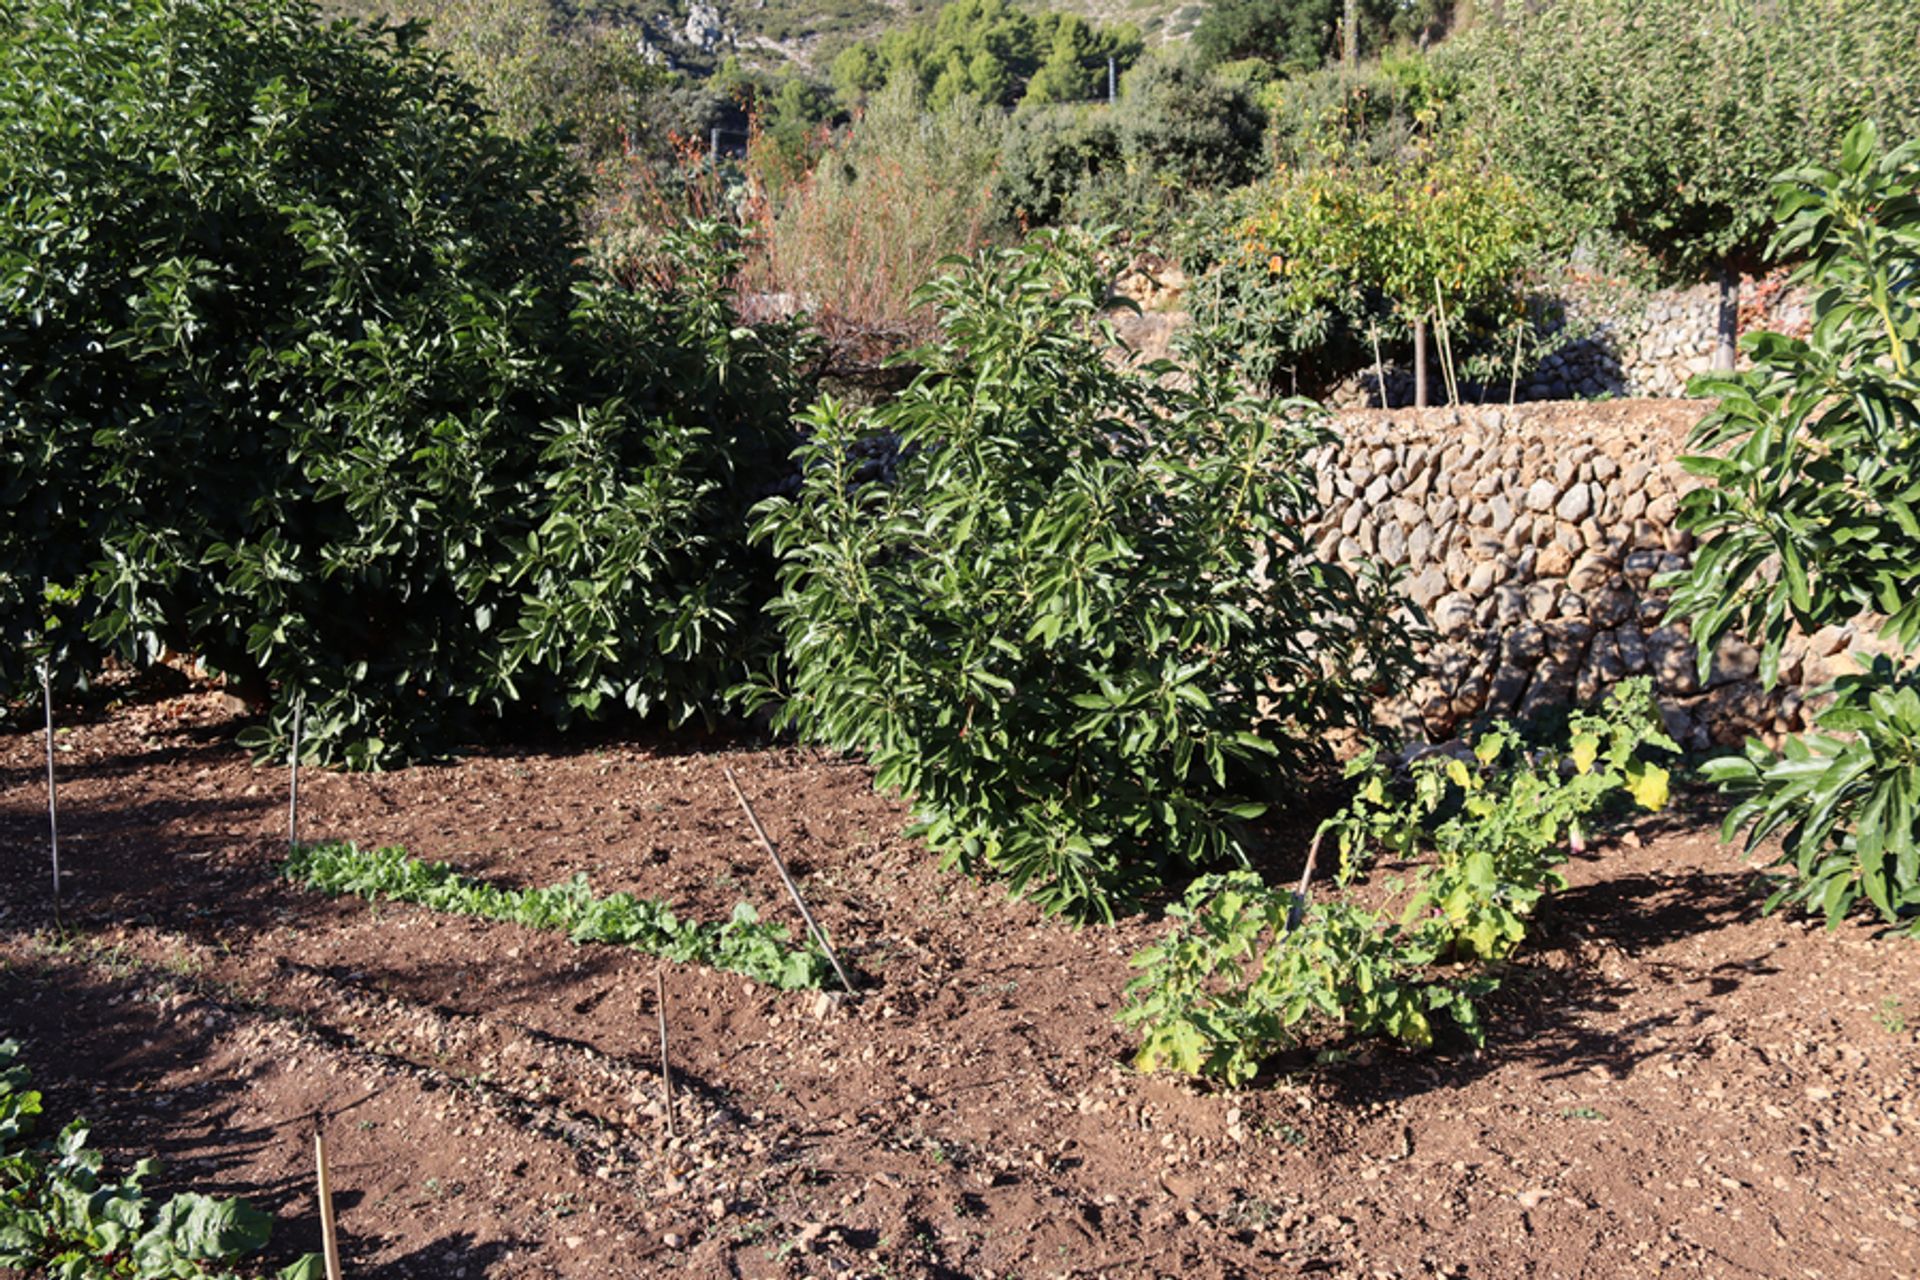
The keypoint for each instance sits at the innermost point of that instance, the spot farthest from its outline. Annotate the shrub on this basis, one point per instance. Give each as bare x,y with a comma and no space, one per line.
900,190
1660,124
304,376
1813,462
1249,971
1050,156
1077,620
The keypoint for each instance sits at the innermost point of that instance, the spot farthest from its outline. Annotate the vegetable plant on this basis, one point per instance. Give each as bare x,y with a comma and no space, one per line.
741,945
1065,605
1809,519
1249,969
62,1216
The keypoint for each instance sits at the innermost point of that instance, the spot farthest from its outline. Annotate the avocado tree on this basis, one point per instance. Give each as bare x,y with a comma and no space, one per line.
1661,123
1808,520
303,374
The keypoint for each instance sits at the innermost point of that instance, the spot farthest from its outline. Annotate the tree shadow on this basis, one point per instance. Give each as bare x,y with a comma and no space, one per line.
1552,1011
455,1254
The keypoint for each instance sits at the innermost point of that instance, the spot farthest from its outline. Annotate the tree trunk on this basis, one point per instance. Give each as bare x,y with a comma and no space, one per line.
1350,34
1420,363
1727,331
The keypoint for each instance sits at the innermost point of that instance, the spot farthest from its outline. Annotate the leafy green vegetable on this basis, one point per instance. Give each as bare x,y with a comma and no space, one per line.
1250,970
61,1216
742,945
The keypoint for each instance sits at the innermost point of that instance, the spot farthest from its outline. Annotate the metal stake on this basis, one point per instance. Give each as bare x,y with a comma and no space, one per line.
293,775
760,832
53,804
666,1073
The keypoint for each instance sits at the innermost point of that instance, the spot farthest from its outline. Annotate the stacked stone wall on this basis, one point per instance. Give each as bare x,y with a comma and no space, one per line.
1531,538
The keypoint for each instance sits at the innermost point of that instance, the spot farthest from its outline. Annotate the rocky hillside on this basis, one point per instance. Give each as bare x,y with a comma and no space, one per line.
772,33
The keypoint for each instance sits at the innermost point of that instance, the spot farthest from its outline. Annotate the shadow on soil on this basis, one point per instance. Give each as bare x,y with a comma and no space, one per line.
1554,1010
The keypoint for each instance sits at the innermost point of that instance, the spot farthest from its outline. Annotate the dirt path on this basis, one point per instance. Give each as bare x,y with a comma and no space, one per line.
1673,1084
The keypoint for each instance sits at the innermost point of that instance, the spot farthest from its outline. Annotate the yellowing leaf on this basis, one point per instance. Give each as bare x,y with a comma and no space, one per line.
1649,786
1586,749
1457,770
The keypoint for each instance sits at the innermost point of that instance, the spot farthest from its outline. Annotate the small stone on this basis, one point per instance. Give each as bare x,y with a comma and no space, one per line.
1674,669
1453,616
1541,494
1575,504
1426,587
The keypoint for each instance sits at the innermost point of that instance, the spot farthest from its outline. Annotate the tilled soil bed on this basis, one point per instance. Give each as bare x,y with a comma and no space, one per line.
1673,1083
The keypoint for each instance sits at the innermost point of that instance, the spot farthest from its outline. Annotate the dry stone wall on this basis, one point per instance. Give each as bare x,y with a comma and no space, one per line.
1530,537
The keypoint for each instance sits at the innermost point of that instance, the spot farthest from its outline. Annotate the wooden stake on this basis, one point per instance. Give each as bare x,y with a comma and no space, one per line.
1379,368
53,804
1447,370
293,775
666,1071
329,1242
760,833
1513,383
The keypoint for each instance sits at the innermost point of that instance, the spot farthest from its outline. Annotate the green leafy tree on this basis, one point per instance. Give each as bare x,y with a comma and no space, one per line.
992,52
304,376
1077,619
1299,275
1662,123
1305,34
1809,519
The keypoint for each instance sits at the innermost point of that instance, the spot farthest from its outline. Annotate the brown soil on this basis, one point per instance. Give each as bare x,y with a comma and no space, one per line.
1673,1084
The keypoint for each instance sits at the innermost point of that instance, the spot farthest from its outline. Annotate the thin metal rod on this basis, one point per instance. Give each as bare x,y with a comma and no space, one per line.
53,803
666,1072
760,832
329,1241
293,775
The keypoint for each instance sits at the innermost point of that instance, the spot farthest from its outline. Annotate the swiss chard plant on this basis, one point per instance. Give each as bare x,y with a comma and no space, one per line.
1810,518
1249,969
63,1216
743,944
1076,619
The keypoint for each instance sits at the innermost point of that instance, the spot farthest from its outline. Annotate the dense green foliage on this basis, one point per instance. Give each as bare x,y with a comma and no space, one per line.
992,52
1663,122
1810,519
1301,274
63,1217
1176,136
1302,34
1076,619
1249,970
742,945
303,375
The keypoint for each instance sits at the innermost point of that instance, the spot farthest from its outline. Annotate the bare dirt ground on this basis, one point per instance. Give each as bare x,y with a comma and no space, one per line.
1673,1085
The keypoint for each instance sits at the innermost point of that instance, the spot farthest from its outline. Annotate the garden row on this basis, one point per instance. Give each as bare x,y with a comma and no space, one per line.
340,410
